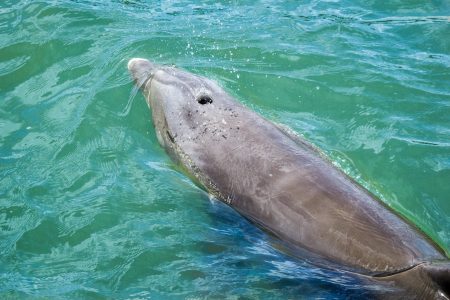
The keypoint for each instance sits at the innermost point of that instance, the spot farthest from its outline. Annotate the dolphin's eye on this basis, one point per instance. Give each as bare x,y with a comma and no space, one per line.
204,99
170,137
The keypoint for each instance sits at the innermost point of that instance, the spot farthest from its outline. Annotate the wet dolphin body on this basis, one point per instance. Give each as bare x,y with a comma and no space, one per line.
284,185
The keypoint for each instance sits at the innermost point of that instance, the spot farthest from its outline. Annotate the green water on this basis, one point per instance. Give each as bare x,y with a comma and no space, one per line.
92,207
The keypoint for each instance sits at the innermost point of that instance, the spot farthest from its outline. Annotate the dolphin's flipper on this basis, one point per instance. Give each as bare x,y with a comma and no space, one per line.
428,280
439,272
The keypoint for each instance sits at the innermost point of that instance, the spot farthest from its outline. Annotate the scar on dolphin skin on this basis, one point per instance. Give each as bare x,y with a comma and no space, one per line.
287,187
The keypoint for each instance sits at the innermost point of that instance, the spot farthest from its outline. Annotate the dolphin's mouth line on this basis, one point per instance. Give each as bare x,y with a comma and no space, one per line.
147,80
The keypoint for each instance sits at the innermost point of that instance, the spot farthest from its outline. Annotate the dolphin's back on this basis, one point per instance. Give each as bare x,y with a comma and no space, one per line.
287,187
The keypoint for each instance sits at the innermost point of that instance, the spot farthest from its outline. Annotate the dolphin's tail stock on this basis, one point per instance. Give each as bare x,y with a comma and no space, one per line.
428,280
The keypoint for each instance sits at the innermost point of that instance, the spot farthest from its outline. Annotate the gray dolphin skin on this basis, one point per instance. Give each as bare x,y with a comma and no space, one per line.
284,185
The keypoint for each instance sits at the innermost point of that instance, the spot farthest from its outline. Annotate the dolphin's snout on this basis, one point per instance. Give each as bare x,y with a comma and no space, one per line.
141,70
137,62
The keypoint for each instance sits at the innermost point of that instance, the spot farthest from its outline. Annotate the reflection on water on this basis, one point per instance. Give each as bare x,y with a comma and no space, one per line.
91,206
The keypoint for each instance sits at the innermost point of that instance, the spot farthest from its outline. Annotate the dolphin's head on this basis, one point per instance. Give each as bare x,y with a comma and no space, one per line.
182,103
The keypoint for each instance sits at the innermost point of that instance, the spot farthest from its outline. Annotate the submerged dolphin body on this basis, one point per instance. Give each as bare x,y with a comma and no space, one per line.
284,185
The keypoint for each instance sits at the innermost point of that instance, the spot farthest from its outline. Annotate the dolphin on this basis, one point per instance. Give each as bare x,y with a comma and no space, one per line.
286,186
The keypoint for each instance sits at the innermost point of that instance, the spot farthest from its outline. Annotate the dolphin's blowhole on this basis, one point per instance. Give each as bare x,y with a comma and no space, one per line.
204,99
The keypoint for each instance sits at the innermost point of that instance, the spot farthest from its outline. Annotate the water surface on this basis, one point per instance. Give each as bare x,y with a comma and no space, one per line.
92,207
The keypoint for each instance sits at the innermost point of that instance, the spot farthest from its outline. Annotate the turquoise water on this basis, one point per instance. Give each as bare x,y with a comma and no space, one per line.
92,207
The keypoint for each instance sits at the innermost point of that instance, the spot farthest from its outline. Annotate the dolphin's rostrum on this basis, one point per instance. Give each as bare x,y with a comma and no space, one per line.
283,184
